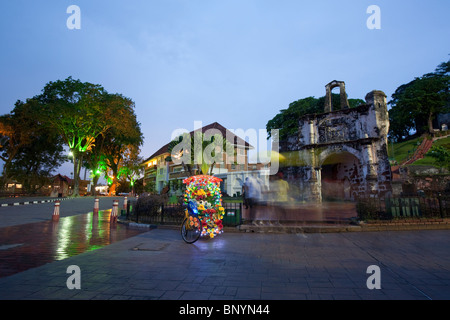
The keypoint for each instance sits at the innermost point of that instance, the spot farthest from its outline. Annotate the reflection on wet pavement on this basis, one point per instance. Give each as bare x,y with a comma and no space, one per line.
31,245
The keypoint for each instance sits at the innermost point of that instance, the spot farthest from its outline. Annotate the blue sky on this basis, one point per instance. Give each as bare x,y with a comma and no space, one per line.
234,62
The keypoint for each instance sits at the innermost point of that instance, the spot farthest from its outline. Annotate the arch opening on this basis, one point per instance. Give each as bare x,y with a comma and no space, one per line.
340,176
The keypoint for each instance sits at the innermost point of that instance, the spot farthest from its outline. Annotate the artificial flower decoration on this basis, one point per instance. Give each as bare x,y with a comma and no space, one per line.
204,190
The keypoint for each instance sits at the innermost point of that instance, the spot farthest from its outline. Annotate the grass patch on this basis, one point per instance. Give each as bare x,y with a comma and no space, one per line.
403,149
430,161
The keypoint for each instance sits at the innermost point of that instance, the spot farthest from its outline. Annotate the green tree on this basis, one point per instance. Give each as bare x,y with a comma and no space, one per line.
30,151
441,156
120,144
415,105
14,135
131,170
199,152
80,112
287,119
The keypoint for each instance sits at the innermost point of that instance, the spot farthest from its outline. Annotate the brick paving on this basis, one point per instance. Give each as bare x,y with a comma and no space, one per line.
157,264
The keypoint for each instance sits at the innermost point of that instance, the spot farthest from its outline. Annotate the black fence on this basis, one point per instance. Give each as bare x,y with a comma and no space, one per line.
174,213
233,214
403,207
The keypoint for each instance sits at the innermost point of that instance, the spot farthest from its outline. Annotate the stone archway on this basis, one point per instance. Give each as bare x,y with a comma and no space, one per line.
340,176
348,146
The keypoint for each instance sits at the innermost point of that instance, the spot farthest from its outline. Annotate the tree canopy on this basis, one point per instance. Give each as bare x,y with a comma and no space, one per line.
30,151
416,104
100,129
287,119
200,151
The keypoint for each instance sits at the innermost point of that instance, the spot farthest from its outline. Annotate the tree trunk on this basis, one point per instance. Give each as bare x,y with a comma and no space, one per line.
211,168
113,187
430,123
94,184
77,161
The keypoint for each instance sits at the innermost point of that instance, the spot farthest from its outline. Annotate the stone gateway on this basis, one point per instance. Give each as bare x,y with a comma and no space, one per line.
340,154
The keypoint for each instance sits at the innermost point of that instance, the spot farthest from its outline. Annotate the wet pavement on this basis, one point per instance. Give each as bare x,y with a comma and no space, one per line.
158,265
119,262
31,245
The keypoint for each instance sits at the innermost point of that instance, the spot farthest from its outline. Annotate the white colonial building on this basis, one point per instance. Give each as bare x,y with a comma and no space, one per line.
162,175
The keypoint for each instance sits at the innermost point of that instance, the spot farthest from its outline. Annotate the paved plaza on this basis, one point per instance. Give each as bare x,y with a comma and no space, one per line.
143,263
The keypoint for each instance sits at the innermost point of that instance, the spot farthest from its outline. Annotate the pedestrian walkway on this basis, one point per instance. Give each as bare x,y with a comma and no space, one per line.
31,245
120,262
157,264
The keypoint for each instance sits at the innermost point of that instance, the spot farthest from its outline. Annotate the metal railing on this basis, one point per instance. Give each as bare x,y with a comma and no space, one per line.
173,214
403,207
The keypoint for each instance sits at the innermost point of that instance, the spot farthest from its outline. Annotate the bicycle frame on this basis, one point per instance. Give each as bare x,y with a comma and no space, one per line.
190,214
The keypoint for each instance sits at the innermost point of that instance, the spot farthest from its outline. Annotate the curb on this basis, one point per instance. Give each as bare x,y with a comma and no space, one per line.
32,202
246,228
299,229
132,224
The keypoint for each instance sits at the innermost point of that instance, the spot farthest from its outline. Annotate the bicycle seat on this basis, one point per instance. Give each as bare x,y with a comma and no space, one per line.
192,207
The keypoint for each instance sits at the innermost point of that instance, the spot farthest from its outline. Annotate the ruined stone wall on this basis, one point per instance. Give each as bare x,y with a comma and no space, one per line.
355,140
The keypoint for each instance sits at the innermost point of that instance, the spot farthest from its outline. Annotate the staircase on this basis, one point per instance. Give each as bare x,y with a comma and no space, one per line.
420,151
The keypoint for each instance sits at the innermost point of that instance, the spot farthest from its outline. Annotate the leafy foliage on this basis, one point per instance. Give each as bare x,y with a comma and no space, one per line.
287,119
199,156
31,151
441,154
100,129
415,105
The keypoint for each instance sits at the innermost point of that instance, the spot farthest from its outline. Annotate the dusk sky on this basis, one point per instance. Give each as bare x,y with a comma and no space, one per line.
234,62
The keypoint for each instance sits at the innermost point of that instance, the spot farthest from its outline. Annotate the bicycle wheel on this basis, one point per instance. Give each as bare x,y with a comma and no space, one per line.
191,229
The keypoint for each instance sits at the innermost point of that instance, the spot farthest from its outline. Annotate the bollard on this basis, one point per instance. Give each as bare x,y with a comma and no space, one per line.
55,216
113,218
96,206
125,203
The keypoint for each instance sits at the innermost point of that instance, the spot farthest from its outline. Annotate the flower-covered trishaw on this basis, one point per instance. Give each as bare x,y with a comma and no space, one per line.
204,211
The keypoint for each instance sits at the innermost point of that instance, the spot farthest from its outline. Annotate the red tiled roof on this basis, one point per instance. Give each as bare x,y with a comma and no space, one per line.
63,178
224,131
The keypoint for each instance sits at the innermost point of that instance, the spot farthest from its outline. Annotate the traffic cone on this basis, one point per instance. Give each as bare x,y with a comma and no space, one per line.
55,216
96,206
113,218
